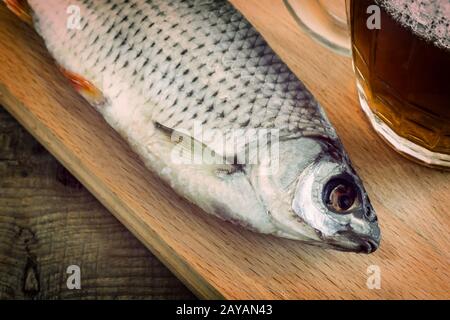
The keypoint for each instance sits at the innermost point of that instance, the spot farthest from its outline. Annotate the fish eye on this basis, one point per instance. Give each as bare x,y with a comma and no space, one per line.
341,195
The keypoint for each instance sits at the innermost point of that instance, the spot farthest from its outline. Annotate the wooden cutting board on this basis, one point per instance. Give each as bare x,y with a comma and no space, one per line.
216,259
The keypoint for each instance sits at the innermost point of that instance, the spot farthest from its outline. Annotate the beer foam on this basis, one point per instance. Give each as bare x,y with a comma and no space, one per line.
429,19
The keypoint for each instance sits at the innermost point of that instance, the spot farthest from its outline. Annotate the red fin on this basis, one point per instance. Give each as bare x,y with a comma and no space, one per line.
90,92
21,9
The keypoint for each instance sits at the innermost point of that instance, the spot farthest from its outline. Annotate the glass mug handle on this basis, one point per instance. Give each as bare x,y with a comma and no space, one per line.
325,21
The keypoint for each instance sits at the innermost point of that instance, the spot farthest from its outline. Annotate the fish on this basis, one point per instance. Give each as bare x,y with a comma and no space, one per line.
210,108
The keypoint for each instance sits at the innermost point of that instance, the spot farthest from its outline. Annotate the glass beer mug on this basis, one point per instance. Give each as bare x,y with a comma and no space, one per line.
401,57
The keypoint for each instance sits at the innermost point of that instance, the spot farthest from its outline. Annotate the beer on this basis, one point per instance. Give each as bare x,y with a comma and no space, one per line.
403,74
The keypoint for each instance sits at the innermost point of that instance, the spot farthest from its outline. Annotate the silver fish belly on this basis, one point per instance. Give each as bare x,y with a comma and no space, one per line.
169,69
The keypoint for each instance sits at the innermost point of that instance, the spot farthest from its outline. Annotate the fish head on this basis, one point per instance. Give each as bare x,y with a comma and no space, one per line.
317,197
331,198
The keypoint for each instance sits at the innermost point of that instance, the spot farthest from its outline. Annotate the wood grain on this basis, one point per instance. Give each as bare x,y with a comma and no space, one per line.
49,221
215,259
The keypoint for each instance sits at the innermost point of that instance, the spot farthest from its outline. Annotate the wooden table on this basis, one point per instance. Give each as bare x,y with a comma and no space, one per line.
49,221
215,259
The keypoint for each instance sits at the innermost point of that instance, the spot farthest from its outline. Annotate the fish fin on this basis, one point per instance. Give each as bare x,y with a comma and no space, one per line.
84,87
21,9
192,151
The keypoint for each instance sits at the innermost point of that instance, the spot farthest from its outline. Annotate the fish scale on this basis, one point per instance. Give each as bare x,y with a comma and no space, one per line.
268,70
164,67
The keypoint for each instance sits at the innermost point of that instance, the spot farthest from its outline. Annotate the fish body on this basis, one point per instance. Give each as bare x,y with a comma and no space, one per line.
183,79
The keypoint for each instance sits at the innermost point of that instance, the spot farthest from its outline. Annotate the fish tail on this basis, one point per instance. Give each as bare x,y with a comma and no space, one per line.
21,9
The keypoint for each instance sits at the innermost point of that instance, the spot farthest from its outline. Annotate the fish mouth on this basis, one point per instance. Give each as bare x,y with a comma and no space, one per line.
364,247
349,241
368,246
